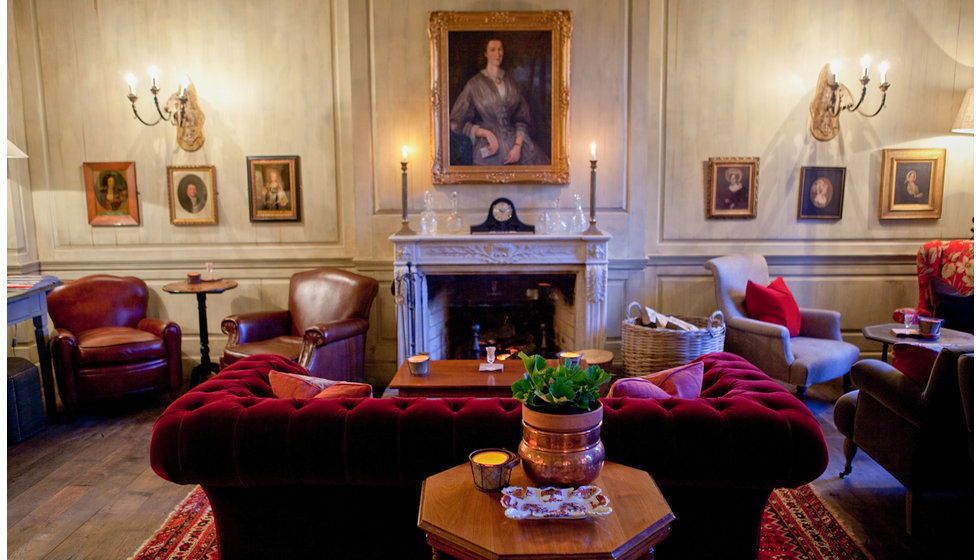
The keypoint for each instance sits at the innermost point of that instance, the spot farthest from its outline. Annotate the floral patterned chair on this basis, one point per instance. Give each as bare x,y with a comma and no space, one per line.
945,272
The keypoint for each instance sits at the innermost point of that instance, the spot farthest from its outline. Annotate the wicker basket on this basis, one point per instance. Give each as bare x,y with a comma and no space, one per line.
648,350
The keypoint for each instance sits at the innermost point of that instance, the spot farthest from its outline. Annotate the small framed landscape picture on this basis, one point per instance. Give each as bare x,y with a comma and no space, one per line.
732,187
821,193
273,188
912,184
193,195
110,193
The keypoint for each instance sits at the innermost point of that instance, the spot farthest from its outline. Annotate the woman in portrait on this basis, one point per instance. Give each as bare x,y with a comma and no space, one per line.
274,195
112,196
493,114
734,195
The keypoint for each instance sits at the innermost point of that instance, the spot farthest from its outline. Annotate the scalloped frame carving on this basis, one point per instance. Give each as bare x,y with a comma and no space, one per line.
559,23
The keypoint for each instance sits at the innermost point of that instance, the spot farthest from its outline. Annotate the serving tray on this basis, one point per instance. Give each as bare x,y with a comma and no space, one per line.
554,503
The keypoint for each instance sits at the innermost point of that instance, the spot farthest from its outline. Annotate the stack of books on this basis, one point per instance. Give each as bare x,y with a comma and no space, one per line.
22,282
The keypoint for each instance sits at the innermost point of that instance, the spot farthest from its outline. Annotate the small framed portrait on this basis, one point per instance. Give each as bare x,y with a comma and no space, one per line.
110,191
732,187
500,96
193,195
273,188
821,193
912,184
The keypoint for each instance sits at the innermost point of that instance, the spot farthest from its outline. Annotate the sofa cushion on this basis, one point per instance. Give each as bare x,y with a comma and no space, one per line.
295,386
683,382
773,304
914,361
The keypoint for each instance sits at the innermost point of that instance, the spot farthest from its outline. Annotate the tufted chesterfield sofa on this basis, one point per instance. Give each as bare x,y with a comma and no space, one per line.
340,478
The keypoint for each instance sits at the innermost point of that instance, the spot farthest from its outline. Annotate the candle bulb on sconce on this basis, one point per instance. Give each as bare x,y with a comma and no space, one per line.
593,230
832,97
405,229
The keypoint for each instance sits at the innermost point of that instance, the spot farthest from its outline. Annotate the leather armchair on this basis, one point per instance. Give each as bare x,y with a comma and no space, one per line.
944,270
817,354
919,435
323,330
103,345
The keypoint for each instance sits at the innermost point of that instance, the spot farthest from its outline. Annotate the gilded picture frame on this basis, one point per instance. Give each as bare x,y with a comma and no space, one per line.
110,193
478,59
193,195
912,184
821,193
274,188
732,187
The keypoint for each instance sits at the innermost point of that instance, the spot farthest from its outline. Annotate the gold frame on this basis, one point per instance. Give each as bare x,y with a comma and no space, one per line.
98,213
559,23
894,202
749,167
289,168
180,214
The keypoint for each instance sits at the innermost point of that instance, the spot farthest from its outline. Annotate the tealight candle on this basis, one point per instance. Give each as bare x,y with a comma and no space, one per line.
491,458
574,357
418,365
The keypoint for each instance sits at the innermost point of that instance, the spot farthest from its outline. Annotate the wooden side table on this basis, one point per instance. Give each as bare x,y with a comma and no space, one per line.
202,289
463,522
883,334
32,303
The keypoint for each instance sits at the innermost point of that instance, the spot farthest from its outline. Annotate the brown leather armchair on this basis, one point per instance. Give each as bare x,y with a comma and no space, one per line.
918,434
103,346
323,330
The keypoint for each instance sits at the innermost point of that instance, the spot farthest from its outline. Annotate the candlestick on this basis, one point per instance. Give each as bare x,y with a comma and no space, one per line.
405,229
593,230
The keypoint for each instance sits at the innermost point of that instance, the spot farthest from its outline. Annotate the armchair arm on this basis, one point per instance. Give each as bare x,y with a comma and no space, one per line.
325,333
889,387
764,344
820,323
260,325
159,327
64,355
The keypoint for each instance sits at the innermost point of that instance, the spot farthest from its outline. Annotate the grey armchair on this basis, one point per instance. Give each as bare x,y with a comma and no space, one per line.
921,435
817,354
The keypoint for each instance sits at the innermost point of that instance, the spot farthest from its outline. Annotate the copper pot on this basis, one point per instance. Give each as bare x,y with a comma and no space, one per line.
562,450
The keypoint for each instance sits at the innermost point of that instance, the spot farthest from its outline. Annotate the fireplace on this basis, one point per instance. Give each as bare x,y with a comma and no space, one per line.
538,293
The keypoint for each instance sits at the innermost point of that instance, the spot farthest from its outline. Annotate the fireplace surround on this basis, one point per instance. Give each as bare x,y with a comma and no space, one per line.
421,321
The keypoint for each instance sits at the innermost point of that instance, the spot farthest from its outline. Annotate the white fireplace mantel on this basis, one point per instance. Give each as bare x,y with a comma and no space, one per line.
417,256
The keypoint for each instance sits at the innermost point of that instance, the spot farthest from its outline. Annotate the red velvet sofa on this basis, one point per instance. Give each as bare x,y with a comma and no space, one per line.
340,478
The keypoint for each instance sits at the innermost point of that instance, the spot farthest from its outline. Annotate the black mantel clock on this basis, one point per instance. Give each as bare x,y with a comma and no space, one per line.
502,218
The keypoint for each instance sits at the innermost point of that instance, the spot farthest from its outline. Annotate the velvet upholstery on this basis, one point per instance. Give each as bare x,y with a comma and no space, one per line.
323,330
818,354
919,434
346,470
103,346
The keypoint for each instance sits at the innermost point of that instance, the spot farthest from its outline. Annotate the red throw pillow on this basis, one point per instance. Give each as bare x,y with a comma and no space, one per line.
682,382
773,304
914,361
293,386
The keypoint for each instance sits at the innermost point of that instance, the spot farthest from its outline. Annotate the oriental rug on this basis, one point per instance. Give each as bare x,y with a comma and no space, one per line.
796,525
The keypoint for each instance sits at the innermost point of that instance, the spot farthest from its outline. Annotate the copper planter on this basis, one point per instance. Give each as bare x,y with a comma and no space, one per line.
562,450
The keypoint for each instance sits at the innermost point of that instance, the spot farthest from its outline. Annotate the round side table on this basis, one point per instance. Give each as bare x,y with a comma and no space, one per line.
202,289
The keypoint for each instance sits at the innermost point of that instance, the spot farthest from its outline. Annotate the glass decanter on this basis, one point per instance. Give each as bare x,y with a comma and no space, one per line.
578,221
428,217
454,222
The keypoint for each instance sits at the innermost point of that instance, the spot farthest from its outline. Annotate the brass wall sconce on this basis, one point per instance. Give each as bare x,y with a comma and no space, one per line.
181,110
829,99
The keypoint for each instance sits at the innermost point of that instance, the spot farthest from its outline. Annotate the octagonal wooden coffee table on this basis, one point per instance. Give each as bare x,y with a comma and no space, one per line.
463,522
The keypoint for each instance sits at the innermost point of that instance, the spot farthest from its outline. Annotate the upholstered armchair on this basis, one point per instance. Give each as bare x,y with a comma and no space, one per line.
103,345
919,434
323,329
817,354
944,270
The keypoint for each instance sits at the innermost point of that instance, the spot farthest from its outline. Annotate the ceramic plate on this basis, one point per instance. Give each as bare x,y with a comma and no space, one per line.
554,503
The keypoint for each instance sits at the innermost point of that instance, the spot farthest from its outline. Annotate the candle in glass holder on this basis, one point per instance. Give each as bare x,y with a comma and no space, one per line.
572,359
491,458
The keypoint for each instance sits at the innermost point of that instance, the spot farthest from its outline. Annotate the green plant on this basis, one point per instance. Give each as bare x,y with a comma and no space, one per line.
561,390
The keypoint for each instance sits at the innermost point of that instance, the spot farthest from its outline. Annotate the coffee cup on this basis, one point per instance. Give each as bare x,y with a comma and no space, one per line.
418,365
929,326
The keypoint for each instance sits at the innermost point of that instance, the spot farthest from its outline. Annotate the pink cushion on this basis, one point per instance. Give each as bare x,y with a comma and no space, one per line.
914,361
293,386
773,304
682,382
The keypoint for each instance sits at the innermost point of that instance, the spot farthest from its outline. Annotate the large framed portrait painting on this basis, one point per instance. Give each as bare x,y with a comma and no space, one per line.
193,199
273,188
732,187
499,96
110,193
912,184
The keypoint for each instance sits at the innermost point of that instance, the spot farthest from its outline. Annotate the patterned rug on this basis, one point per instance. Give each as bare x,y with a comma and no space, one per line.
795,526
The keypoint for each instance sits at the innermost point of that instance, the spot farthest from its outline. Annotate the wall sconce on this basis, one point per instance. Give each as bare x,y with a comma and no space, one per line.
828,101
181,110
963,123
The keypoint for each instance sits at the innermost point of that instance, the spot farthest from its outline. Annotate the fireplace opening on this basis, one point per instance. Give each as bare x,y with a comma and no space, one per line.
532,313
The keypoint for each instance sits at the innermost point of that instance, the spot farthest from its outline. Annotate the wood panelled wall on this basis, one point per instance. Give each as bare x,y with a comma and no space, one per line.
659,85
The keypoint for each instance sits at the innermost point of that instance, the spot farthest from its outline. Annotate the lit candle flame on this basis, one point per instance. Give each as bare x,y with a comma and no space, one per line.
592,149
131,80
834,68
865,63
154,74
404,153
883,67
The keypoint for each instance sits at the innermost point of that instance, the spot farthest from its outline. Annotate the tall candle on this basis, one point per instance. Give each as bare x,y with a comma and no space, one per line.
131,80
592,189
865,63
404,184
883,67
154,74
592,149
834,68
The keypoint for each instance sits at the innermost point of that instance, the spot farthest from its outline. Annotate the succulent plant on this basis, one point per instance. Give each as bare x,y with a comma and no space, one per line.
565,389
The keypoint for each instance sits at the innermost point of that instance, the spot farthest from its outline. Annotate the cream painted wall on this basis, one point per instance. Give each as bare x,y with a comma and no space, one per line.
660,85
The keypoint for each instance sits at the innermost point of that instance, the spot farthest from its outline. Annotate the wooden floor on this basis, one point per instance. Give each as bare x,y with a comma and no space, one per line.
85,490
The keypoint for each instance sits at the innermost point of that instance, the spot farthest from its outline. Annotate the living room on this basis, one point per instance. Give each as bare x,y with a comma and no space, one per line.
338,88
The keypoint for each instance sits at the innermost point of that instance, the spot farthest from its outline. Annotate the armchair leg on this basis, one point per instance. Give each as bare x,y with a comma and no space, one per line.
850,450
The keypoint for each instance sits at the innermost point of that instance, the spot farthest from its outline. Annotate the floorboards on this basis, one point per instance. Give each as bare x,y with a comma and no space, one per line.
85,490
